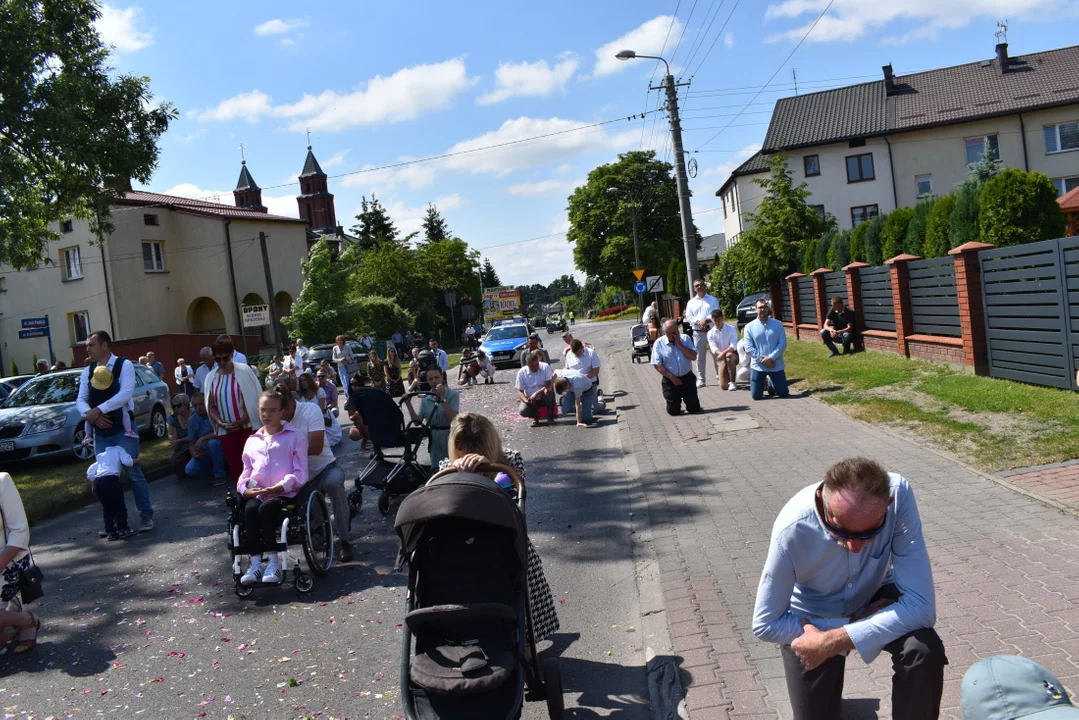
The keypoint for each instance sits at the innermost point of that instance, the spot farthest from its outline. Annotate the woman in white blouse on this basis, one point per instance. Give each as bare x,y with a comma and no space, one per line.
13,557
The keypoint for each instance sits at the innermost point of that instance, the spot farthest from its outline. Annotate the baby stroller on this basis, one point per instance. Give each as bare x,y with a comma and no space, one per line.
306,523
466,545
642,347
394,475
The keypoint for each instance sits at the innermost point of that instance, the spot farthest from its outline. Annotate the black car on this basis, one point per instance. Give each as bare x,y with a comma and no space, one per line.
318,353
747,308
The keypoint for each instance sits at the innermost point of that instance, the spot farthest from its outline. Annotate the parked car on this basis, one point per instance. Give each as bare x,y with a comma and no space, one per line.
319,353
40,420
505,343
9,385
747,308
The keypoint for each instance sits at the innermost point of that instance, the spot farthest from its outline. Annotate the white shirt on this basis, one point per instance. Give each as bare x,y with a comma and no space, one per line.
200,375
367,342
470,331
443,359
700,308
309,419
239,357
108,463
579,383
16,529
183,373
722,337
121,399
301,355
530,382
586,363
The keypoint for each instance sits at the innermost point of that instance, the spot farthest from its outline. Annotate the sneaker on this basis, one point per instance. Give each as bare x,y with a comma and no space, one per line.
219,481
731,387
126,533
346,551
112,536
700,383
253,574
147,525
273,572
103,534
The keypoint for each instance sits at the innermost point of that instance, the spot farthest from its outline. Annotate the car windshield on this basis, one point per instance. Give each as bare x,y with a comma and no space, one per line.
320,355
46,390
507,332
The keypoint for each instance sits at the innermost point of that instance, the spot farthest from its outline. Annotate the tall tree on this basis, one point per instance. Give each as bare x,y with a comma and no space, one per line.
374,224
394,271
565,285
72,136
434,225
488,276
322,309
601,219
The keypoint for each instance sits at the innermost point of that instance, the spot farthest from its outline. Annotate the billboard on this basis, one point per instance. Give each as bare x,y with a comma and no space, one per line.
500,303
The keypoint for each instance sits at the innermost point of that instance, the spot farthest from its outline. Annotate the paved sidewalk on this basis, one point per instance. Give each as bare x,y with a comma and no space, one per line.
1058,482
1006,567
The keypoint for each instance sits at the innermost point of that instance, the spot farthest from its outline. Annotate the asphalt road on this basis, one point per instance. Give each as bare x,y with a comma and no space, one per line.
151,627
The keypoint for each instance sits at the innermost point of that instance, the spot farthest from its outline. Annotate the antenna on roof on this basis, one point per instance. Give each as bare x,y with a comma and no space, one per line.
1002,31
794,74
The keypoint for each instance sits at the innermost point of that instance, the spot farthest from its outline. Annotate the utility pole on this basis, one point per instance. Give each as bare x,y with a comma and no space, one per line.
637,254
274,320
688,234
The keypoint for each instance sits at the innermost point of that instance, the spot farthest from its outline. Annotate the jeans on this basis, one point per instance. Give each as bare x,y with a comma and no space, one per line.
139,488
700,340
759,378
331,481
212,461
675,395
569,404
342,375
844,337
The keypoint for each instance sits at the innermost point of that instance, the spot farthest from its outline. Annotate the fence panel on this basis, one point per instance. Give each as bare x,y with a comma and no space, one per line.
878,307
786,310
1070,247
934,300
807,300
835,284
1026,294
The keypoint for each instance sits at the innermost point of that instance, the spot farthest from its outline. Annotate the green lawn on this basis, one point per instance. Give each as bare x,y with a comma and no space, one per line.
49,489
991,424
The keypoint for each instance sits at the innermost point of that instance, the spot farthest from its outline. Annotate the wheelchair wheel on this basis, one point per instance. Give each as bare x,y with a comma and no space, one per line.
304,582
318,539
243,590
384,504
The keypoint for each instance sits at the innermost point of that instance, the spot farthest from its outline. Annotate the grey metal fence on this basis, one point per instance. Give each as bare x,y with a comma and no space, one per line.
878,307
785,312
835,284
807,300
1030,311
933,298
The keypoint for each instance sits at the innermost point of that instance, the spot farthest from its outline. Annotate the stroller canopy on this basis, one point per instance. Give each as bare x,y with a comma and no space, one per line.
382,416
462,495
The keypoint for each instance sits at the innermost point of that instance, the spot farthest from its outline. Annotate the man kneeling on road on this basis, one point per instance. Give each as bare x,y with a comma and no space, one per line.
535,388
673,356
848,569
839,325
578,394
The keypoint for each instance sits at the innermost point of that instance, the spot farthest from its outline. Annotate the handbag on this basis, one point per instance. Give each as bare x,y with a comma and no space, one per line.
29,577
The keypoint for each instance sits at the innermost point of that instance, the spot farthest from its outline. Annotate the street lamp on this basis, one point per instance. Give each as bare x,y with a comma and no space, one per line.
688,235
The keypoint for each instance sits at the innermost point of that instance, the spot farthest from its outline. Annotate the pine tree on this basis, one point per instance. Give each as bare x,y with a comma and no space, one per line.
987,167
488,275
375,225
434,225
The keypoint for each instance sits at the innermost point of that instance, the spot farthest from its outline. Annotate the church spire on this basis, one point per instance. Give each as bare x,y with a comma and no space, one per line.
248,194
315,200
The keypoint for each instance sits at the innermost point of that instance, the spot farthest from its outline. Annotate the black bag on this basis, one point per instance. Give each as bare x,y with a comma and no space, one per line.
30,578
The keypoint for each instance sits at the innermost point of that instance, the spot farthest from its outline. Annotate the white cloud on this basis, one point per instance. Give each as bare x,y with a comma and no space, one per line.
116,27
535,261
279,27
848,20
736,159
191,136
285,205
410,219
648,39
560,224
728,40
535,79
544,187
250,106
416,176
275,204
337,159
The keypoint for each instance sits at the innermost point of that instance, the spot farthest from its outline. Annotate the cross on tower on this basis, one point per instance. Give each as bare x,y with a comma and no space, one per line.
242,158
308,138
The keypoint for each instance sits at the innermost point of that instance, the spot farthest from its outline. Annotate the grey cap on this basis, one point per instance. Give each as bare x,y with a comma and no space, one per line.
1004,687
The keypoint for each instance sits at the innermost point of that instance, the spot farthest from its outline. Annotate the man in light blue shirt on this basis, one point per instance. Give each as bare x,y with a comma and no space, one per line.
765,340
848,569
673,356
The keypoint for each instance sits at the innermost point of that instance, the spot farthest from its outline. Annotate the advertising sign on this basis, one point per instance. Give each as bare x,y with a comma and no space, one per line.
255,315
501,303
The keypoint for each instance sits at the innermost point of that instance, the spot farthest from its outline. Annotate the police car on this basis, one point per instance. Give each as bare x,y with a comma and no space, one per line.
505,343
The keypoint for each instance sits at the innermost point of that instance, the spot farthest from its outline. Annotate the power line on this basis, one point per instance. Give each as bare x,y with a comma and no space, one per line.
684,28
703,32
718,36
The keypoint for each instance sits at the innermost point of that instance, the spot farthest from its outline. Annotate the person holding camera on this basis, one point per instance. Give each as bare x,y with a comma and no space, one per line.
439,405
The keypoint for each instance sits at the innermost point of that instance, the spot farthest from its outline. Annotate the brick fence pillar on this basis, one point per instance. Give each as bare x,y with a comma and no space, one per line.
968,285
796,305
904,316
820,295
854,294
775,291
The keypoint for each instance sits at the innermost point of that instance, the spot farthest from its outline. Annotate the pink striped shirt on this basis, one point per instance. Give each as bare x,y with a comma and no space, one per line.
275,459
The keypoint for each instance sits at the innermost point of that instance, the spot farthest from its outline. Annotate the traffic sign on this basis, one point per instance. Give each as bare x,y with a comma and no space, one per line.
654,283
35,328
35,323
639,287
639,274
37,332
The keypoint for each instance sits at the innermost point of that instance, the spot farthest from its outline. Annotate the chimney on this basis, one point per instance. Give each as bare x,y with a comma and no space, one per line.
889,81
1002,57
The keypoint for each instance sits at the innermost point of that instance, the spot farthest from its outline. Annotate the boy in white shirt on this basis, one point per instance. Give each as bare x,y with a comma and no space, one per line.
723,342
105,476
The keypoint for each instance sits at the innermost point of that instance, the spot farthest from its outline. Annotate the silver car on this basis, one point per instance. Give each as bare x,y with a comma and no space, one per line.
40,420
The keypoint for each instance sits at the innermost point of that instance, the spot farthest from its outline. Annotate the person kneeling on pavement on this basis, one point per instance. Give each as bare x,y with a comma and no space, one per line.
578,394
839,325
535,388
673,356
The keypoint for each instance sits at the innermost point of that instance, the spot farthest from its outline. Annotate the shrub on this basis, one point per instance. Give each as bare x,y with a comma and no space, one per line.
936,227
380,316
839,252
612,310
857,243
1019,207
809,256
726,281
894,233
873,254
823,247
914,242
963,222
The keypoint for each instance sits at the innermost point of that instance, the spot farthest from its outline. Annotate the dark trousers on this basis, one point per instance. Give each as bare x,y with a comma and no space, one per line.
918,662
675,395
844,337
262,523
532,411
111,495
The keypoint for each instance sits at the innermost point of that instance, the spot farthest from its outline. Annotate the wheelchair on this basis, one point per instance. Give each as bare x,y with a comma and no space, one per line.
307,522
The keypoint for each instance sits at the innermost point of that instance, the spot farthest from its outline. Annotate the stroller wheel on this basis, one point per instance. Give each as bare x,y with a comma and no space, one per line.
552,681
355,502
243,590
304,583
384,504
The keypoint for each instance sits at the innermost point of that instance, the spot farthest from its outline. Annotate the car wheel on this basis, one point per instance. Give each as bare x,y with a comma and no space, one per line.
80,451
158,426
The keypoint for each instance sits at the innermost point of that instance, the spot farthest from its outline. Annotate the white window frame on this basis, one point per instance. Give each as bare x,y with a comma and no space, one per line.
917,182
74,326
72,270
1056,138
981,143
159,265
1063,187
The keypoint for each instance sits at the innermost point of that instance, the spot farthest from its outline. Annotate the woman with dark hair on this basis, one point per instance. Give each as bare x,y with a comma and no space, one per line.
232,391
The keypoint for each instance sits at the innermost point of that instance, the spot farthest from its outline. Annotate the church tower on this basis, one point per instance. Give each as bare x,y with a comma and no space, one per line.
315,200
248,194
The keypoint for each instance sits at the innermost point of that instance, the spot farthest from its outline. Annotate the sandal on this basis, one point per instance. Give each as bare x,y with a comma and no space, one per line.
25,646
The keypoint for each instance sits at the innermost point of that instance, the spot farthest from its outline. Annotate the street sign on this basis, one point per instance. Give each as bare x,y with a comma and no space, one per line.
639,274
639,287
38,332
255,315
654,283
36,323
451,299
35,328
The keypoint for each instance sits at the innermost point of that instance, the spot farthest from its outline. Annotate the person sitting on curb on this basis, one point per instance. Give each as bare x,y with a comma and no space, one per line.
839,325
673,356
535,388
1003,687
765,341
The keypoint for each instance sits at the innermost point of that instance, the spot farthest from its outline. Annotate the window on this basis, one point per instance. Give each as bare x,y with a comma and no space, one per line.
80,327
152,257
1066,184
1062,137
724,201
149,219
819,209
145,375
3,284
857,142
66,226
72,263
860,168
925,184
975,144
812,165
863,213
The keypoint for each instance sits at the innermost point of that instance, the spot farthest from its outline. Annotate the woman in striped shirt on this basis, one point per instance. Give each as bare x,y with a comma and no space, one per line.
232,391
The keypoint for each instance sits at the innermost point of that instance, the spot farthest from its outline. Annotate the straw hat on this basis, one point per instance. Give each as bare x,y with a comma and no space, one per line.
102,378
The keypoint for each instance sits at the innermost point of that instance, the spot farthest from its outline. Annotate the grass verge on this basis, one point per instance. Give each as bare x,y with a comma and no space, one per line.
991,424
49,489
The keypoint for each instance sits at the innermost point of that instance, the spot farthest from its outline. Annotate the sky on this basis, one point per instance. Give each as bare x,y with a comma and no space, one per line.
380,86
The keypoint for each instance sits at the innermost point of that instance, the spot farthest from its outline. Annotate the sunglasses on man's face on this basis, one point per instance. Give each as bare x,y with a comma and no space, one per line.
842,533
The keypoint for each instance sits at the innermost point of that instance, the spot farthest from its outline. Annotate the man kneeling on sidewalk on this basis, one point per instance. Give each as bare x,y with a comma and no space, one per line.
848,569
673,356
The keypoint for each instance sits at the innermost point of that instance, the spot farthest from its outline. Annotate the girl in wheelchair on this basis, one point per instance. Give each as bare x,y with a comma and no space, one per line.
275,468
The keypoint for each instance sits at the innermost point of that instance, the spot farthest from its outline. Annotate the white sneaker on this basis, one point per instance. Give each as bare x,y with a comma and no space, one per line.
254,573
273,573
700,383
732,387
